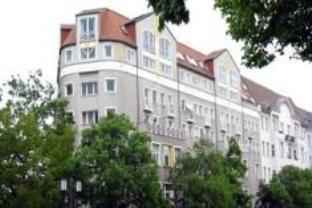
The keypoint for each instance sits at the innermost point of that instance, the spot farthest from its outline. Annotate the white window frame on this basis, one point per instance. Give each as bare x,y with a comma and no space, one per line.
86,122
110,107
66,61
105,85
149,60
104,50
166,69
159,152
164,48
163,155
131,56
88,58
87,94
65,89
151,39
87,33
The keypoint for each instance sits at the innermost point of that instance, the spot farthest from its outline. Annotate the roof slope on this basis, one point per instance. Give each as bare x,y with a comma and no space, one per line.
267,98
112,28
200,67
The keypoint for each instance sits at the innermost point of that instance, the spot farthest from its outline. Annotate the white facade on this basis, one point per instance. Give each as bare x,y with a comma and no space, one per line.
175,93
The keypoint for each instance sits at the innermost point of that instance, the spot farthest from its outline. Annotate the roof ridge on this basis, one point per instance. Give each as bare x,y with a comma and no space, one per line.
117,13
102,10
267,88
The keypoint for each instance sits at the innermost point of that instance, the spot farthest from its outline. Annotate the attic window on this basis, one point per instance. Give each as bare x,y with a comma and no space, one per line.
201,64
87,28
191,60
180,56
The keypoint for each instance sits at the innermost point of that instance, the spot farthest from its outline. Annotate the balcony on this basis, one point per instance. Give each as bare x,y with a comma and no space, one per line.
147,107
170,112
208,123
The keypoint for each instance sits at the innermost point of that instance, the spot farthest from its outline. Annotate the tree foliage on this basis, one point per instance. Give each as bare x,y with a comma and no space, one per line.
173,11
265,28
291,188
205,178
36,139
117,166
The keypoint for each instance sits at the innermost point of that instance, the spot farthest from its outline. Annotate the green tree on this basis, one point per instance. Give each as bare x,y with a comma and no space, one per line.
117,166
291,188
236,171
36,139
265,28
205,178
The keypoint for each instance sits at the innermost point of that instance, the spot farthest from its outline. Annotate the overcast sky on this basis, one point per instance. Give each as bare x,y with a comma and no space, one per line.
30,37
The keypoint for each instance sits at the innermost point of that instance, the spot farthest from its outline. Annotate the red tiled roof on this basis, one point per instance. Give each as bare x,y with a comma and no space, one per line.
112,28
197,56
267,98
117,27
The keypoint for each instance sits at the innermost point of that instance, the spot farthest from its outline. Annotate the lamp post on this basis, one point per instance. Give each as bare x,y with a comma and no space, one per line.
71,188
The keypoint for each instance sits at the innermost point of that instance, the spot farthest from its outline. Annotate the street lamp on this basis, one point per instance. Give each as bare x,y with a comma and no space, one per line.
71,188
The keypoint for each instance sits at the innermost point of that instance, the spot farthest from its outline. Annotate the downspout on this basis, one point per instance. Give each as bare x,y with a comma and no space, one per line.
216,115
138,90
179,101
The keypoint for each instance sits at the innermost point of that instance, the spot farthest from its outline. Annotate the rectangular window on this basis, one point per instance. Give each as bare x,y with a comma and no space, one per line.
162,99
68,56
154,96
69,90
281,127
164,48
111,110
146,96
273,150
275,123
87,53
148,62
166,69
87,29
235,79
149,42
108,51
89,88
110,85
131,56
166,155
178,153
89,117
223,75
282,149
156,152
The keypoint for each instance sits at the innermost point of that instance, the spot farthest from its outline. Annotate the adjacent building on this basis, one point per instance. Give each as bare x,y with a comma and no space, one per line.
179,95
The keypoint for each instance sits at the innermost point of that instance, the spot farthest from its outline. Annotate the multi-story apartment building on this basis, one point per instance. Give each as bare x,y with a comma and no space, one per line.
110,63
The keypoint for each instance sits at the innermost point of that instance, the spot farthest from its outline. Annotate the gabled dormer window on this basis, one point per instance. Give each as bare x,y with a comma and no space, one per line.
87,28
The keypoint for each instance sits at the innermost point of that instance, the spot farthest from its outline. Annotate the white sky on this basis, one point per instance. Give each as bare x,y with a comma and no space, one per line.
29,39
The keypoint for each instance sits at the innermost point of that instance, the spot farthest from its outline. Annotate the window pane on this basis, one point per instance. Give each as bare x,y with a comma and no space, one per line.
69,89
68,56
108,50
84,89
110,85
84,53
83,26
91,25
91,53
